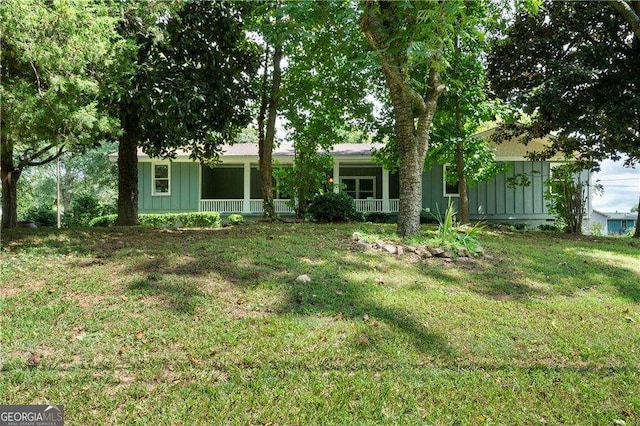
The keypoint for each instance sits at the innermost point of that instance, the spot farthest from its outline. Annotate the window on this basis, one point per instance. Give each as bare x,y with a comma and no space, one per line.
450,184
359,188
160,176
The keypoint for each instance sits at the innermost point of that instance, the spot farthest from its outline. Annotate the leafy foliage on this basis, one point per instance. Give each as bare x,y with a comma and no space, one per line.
567,197
235,218
42,215
168,220
334,207
54,57
84,209
450,236
573,69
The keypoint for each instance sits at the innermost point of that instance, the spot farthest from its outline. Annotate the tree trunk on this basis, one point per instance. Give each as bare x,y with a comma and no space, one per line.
412,136
128,172
266,148
462,183
636,233
9,176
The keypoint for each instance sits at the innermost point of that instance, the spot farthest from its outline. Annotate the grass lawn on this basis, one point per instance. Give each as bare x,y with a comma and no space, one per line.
139,326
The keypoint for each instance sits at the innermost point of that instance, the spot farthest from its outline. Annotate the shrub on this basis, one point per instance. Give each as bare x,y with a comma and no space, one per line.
459,238
334,207
42,215
103,221
235,218
86,207
549,227
168,220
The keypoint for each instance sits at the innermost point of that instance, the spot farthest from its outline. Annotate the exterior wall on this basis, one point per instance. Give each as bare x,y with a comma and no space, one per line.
184,184
619,226
494,201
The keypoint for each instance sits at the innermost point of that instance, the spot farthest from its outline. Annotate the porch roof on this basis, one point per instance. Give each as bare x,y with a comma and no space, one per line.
283,150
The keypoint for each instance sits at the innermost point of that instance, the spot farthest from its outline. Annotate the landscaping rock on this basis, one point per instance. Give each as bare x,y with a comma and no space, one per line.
364,244
436,251
391,249
356,236
426,254
411,249
400,250
303,278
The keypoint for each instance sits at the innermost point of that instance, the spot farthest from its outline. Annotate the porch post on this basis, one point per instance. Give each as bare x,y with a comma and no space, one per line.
336,176
246,203
385,190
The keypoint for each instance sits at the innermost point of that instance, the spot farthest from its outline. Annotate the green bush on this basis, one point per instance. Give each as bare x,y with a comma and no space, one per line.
549,227
42,216
235,218
86,207
334,207
168,220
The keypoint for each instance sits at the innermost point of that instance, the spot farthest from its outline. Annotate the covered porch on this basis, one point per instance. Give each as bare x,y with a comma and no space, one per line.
235,188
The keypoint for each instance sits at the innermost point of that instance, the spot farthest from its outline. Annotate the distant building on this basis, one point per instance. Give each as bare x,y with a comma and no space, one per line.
614,223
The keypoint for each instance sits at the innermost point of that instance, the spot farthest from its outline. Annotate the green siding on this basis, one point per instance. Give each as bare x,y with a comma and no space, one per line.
184,189
494,200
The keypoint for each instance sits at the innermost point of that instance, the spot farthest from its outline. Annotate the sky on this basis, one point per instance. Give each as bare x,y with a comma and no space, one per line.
621,187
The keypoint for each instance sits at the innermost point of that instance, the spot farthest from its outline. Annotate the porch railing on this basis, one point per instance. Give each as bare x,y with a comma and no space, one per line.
237,206
255,206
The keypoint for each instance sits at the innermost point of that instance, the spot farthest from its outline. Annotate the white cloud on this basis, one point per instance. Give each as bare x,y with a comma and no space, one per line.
621,187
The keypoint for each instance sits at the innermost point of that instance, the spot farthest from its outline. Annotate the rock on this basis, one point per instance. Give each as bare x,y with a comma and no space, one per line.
436,251
364,244
303,279
391,249
447,255
356,236
400,250
488,256
447,259
379,244
411,249
425,254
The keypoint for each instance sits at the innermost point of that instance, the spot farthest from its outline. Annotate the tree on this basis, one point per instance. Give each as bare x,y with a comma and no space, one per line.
410,39
634,208
318,92
186,86
573,69
54,54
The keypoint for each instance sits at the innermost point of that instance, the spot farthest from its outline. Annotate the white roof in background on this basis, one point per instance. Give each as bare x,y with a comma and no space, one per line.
282,150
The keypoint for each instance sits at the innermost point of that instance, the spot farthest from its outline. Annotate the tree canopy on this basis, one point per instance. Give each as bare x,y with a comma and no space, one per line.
54,55
186,84
573,69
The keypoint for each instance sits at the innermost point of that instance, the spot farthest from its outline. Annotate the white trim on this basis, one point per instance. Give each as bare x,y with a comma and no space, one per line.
153,178
246,205
385,190
444,184
336,176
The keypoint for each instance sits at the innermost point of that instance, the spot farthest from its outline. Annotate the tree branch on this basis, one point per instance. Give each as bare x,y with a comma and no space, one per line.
629,14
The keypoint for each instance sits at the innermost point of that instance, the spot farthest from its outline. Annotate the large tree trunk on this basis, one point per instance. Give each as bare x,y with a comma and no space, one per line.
128,172
636,234
412,136
9,176
266,146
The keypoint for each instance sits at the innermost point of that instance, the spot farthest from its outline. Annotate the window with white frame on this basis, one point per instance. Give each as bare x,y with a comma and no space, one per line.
359,188
161,179
450,183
